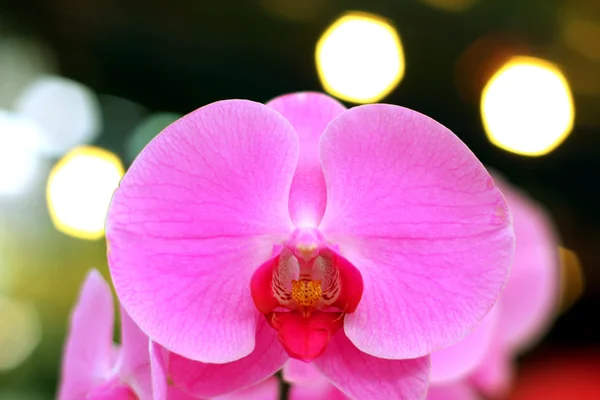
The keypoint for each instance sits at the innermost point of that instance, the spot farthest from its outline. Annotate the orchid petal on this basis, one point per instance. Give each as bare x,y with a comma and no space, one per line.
531,294
459,360
209,380
88,351
265,390
413,209
295,371
320,390
362,376
198,211
309,113
135,358
459,390
159,372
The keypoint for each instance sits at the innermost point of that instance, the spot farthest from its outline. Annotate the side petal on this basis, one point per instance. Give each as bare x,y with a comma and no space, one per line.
460,390
265,390
309,113
295,371
134,365
88,353
362,376
210,380
459,360
531,294
197,212
413,209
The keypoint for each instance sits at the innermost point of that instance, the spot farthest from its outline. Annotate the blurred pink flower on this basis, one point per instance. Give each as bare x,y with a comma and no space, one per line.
93,366
96,369
523,312
367,238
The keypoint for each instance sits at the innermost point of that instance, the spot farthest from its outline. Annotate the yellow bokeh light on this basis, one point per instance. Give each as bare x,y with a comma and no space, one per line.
360,58
527,107
80,188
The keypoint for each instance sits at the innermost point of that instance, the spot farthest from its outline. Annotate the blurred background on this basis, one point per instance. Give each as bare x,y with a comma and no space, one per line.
84,85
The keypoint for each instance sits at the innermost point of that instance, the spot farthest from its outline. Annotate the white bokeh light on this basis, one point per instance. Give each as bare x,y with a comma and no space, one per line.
20,164
79,191
68,112
360,58
527,107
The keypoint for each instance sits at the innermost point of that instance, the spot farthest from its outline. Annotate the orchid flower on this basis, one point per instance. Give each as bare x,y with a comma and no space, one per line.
360,240
482,361
93,367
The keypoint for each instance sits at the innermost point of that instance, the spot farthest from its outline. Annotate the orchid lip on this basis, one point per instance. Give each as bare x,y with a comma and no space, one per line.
304,291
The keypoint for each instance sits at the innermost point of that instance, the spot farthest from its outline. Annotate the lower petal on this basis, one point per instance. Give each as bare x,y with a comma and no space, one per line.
459,360
362,376
316,391
295,371
210,380
460,390
265,390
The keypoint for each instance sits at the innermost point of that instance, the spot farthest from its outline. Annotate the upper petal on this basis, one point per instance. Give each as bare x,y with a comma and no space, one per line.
531,294
209,380
134,365
459,360
197,212
309,113
413,209
87,359
362,376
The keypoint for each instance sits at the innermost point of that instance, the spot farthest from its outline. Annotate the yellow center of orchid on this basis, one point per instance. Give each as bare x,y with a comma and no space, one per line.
306,293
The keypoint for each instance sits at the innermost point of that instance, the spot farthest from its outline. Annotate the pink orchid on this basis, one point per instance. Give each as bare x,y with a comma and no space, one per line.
523,313
361,240
482,361
93,367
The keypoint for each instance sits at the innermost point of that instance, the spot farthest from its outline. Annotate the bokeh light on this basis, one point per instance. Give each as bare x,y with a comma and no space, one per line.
146,131
360,58
19,163
68,112
20,332
527,107
79,191
572,280
450,5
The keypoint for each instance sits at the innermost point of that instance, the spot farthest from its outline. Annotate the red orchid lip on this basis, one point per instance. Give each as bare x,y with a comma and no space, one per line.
305,292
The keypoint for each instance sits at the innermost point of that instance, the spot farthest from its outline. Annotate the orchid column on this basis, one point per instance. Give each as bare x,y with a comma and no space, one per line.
359,240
